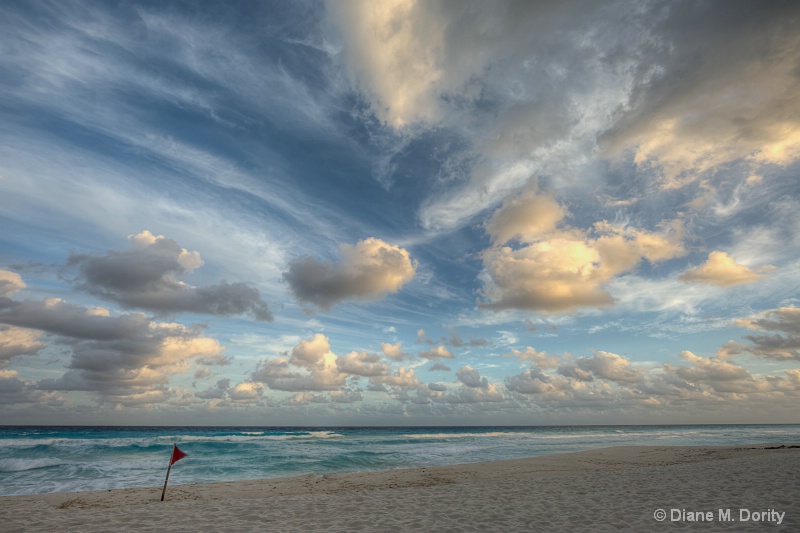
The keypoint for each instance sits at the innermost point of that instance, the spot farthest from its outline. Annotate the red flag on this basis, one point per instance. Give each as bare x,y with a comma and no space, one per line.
177,455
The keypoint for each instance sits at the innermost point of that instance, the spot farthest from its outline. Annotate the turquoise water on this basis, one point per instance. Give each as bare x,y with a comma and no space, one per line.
67,459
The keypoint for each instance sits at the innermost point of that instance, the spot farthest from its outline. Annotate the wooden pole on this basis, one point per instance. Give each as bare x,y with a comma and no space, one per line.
163,492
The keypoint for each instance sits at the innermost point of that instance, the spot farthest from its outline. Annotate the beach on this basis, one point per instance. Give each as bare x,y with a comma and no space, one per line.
622,488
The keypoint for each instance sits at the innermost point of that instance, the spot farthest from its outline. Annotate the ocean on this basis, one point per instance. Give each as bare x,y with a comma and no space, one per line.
37,459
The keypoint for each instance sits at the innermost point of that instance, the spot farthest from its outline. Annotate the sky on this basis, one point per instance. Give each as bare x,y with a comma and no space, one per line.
399,212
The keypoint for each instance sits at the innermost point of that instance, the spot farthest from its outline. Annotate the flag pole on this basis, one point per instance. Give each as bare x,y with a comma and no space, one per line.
174,446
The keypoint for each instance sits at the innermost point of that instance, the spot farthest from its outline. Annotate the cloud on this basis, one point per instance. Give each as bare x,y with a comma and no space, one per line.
783,344
439,352
314,367
404,379
710,369
145,277
10,282
246,392
476,389
367,271
722,270
540,359
534,381
314,356
343,396
394,351
721,376
610,366
362,364
489,393
124,359
602,365
18,341
439,367
217,392
118,357
279,375
392,55
525,217
313,353
713,90
14,391
500,80
471,377
568,269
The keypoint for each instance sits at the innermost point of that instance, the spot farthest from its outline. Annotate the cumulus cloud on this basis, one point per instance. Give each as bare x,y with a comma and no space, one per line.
476,389
715,375
217,392
344,396
279,375
313,353
10,282
394,351
312,366
439,352
362,364
606,379
404,379
722,270
534,381
567,269
14,391
783,340
246,392
145,277
489,393
525,217
118,357
471,377
540,359
710,369
607,365
18,341
367,271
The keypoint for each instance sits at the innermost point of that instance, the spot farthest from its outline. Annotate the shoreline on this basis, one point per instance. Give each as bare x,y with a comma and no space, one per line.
607,488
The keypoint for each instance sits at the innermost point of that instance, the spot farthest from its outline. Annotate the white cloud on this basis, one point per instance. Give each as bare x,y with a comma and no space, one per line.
721,93
18,341
568,269
146,277
367,271
540,359
782,340
394,351
438,352
722,270
126,358
470,377
362,364
610,366
525,217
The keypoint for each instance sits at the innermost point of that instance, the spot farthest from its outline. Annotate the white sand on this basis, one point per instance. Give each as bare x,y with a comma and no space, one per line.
612,489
